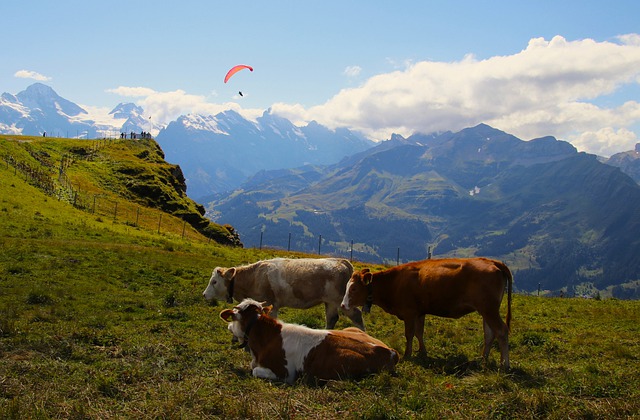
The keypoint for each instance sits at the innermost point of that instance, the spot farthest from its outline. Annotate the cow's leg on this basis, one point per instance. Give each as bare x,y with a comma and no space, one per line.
503,340
331,315
420,334
355,315
489,337
500,331
409,332
265,373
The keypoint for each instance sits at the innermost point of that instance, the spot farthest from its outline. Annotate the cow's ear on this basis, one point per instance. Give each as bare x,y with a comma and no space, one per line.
365,271
266,310
367,278
226,314
229,273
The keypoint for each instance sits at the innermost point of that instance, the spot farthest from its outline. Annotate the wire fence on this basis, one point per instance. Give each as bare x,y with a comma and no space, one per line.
317,244
54,181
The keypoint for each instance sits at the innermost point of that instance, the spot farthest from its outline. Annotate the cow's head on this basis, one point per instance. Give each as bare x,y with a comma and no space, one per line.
242,317
358,290
220,284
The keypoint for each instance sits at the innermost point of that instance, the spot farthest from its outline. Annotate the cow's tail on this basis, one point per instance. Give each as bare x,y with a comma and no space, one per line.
509,277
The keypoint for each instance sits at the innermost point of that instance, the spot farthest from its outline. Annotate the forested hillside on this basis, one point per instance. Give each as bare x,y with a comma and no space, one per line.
563,220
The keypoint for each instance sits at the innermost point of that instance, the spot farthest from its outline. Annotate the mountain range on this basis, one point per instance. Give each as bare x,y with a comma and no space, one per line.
563,220
39,110
218,153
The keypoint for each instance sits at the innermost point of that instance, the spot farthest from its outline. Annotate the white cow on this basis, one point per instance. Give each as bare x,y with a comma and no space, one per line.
283,282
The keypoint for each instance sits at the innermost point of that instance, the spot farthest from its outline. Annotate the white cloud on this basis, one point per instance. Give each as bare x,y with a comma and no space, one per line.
551,87
164,107
134,92
606,141
295,113
630,39
545,89
352,71
28,74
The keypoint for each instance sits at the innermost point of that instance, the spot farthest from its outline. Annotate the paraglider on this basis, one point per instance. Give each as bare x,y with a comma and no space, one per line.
236,69
240,93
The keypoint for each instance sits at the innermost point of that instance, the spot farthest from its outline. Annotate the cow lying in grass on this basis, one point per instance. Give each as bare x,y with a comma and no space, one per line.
283,352
284,282
448,288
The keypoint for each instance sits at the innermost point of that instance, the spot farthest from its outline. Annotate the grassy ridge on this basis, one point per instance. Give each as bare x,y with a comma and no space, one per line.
124,181
100,319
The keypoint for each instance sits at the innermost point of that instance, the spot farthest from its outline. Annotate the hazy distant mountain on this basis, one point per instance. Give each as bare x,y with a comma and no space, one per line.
559,218
218,153
628,162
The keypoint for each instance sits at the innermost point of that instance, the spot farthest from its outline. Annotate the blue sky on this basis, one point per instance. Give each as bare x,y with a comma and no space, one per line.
567,68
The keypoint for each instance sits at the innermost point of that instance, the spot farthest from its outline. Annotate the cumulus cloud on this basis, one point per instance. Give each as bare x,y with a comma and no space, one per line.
605,141
167,106
28,74
548,88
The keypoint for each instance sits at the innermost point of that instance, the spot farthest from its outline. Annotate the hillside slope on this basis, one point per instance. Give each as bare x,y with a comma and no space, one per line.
561,219
122,180
102,317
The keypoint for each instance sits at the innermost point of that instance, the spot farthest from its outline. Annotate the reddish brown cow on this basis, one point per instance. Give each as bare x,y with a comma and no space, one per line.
449,288
282,351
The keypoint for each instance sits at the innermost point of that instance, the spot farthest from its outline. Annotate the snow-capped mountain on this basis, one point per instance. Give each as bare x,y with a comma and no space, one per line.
39,109
218,153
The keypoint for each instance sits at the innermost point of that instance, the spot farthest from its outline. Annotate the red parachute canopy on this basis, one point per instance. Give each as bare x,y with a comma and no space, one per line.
234,70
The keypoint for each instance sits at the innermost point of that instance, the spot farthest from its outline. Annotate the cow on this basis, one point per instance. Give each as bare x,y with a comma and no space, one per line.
284,352
284,282
449,288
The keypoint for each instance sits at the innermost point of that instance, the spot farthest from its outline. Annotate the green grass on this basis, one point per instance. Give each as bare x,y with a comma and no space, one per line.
127,182
102,320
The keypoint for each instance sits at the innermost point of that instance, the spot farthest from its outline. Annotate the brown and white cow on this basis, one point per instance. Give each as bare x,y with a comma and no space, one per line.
283,282
283,352
448,288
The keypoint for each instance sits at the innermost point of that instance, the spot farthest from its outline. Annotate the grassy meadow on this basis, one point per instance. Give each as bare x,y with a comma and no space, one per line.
100,319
